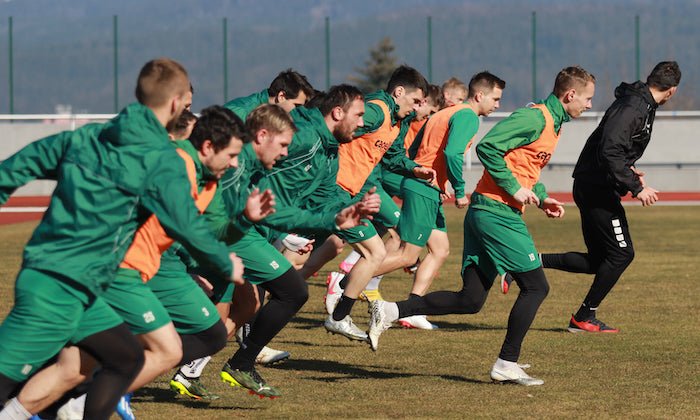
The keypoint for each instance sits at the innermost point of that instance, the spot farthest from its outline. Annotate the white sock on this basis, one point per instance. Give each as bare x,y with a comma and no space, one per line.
352,258
14,411
506,365
194,369
374,283
392,311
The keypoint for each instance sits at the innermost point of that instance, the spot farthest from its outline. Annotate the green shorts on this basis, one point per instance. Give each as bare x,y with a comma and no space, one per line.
421,213
389,212
132,300
263,262
189,307
49,312
391,182
498,242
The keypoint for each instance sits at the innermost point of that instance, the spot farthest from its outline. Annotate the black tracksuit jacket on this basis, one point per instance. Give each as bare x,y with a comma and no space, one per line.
619,141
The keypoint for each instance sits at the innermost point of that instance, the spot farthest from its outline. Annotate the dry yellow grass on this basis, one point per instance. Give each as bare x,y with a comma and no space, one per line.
650,370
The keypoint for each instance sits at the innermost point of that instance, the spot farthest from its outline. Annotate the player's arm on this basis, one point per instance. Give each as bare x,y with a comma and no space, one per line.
462,127
38,160
522,127
373,119
615,142
167,195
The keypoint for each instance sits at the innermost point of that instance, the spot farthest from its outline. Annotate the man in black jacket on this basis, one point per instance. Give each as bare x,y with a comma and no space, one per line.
604,173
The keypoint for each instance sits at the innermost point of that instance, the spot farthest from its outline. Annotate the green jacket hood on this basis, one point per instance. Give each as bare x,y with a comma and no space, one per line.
134,125
383,96
202,171
312,116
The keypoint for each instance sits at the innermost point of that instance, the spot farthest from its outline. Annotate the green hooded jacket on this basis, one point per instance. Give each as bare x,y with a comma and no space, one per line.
246,104
111,178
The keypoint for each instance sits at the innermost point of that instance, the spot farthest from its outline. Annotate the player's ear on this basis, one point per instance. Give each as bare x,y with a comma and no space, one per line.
337,113
399,91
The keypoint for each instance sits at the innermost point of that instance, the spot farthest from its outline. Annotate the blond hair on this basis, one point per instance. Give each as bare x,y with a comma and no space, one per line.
270,117
160,80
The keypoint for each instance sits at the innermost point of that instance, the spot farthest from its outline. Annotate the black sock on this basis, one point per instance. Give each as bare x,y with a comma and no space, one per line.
344,307
413,296
344,282
584,313
244,358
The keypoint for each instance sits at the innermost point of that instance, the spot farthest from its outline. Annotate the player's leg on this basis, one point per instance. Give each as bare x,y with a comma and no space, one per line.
325,252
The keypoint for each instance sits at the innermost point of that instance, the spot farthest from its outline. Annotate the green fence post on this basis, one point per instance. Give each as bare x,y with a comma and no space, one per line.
328,53
115,25
225,57
534,56
430,49
10,68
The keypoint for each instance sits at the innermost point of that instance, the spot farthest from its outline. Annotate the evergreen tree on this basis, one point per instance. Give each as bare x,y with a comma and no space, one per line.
378,68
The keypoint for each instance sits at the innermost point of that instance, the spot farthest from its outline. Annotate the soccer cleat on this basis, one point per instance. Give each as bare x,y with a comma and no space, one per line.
506,280
124,407
592,324
251,380
71,410
334,291
268,356
378,322
411,269
192,388
514,374
370,295
345,327
417,321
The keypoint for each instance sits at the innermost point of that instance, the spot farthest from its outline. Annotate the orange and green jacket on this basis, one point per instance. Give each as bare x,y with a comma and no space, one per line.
151,240
446,137
516,149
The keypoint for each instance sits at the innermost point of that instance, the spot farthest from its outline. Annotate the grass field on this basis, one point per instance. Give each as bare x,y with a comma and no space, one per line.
650,370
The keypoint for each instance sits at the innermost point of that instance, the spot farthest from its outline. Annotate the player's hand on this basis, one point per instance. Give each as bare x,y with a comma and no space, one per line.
259,205
352,216
237,275
422,172
648,196
640,175
444,196
526,196
204,284
306,248
462,202
553,208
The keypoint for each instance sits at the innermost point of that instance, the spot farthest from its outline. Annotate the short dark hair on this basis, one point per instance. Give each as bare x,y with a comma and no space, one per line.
571,77
159,80
665,75
484,81
339,95
409,78
218,124
435,96
291,83
177,129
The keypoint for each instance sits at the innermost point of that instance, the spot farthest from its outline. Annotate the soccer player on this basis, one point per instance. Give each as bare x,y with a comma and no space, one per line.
606,171
496,239
454,91
289,90
110,177
172,317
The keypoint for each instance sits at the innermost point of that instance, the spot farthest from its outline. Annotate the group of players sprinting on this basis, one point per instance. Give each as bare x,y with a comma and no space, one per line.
167,230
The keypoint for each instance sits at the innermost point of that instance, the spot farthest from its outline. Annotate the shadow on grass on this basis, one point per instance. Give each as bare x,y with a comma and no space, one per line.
452,327
165,396
346,371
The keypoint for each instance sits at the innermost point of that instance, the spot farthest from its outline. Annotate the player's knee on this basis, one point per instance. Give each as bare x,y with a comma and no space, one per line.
623,258
470,302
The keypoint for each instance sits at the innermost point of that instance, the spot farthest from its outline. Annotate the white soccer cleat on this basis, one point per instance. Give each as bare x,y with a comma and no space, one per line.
417,321
514,374
268,356
295,242
378,322
72,410
345,327
334,291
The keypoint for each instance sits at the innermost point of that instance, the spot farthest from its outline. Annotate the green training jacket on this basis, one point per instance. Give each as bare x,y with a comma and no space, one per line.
246,104
111,178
